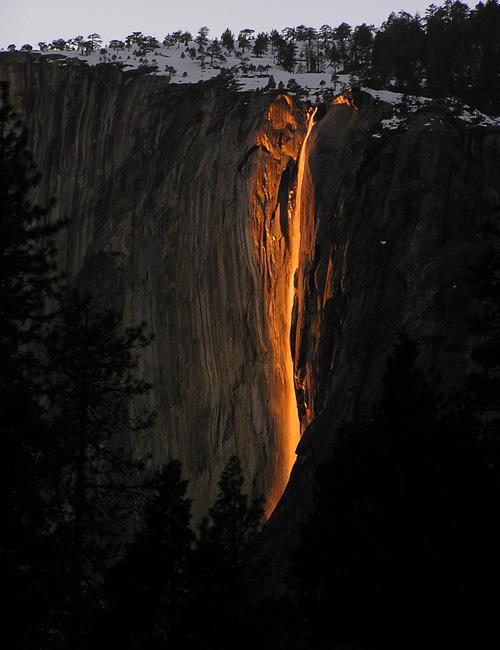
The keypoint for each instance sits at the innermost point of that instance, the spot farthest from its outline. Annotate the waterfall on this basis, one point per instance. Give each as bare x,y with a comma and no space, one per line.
293,423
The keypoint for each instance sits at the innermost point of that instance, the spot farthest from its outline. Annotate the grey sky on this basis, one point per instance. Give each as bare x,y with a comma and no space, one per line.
29,21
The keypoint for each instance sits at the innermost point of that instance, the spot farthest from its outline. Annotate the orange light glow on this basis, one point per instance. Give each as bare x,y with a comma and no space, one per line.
276,244
343,100
292,416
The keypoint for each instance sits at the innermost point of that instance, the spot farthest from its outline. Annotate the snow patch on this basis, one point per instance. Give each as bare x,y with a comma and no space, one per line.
393,123
475,117
185,64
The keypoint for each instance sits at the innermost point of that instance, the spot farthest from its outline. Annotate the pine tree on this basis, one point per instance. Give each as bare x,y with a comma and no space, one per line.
149,592
362,44
261,44
202,38
286,55
27,275
398,51
233,521
93,414
27,271
214,51
343,34
244,38
389,553
228,536
227,39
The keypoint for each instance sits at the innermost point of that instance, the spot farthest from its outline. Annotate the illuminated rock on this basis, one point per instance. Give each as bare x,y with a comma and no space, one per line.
392,223
178,208
181,208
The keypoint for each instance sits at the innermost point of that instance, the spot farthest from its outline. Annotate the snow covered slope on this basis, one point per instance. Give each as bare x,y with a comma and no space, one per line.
177,65
187,64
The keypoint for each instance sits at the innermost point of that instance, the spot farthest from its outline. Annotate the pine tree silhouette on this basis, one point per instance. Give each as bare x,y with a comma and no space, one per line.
234,520
149,592
388,554
93,414
27,275
223,602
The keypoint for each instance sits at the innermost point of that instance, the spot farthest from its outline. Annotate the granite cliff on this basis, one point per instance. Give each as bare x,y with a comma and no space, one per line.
183,210
394,222
177,208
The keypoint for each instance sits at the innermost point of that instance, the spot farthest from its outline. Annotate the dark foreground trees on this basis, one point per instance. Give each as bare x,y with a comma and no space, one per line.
175,590
80,482
225,550
70,398
149,593
452,50
93,415
400,547
27,275
67,383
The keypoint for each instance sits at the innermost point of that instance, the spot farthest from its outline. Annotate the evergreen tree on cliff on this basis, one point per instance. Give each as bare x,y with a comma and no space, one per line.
227,39
261,44
286,55
26,279
398,51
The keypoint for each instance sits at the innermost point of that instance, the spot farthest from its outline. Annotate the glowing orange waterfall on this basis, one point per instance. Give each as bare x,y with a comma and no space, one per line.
276,245
293,424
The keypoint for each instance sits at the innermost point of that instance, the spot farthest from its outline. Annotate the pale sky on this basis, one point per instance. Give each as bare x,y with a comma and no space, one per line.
30,21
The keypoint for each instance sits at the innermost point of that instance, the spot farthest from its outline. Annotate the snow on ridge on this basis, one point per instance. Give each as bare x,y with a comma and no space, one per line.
252,73
474,117
404,105
391,97
179,69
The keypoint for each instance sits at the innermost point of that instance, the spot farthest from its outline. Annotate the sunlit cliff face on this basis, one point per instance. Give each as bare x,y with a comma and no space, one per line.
304,215
302,203
307,330
284,231
205,253
276,234
341,99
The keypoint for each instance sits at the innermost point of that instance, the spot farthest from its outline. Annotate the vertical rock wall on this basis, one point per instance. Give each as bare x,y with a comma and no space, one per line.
180,214
177,208
392,223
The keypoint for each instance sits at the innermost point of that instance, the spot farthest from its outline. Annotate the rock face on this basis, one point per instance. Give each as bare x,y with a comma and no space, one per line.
391,223
180,206
177,208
